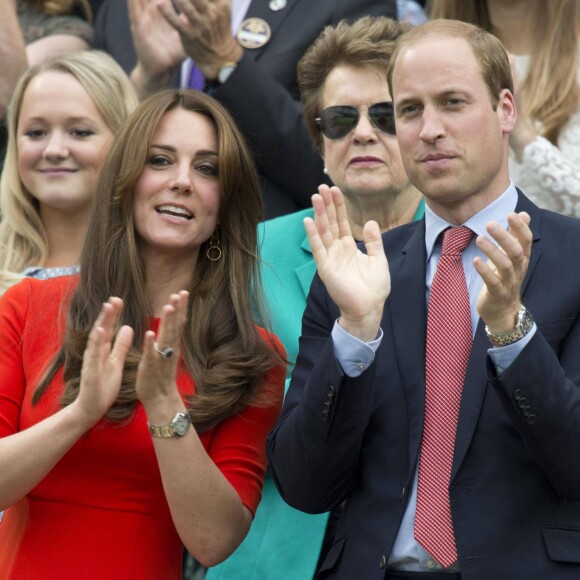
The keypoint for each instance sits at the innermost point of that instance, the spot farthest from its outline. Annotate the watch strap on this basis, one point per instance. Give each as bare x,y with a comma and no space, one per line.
161,431
524,324
177,427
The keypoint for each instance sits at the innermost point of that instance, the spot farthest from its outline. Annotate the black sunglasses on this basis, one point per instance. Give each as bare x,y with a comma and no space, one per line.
337,122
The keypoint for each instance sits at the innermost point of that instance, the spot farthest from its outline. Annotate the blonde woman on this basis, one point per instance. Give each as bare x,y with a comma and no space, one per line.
543,40
61,123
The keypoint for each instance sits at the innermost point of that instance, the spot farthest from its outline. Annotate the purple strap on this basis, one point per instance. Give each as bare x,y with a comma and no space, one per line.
196,80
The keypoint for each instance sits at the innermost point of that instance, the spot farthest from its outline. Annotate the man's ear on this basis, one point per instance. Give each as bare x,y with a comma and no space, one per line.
507,111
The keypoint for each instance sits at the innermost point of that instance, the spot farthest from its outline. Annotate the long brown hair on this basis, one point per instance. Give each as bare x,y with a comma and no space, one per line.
550,93
222,349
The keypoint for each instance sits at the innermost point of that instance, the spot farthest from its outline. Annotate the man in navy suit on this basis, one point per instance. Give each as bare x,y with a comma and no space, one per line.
353,422
247,52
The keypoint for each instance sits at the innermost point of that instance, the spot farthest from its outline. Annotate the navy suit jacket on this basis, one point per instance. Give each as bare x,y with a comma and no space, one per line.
515,485
262,93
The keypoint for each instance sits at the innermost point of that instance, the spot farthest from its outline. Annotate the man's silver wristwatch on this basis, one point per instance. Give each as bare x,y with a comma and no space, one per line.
177,427
524,323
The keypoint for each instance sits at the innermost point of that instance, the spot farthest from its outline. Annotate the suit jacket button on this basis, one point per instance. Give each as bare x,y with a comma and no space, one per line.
325,416
527,411
518,394
531,419
382,562
331,393
522,402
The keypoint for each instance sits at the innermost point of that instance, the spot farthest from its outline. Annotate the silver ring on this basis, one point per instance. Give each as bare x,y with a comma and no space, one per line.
166,352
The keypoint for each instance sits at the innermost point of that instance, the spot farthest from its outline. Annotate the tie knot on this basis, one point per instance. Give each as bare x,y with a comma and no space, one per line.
455,240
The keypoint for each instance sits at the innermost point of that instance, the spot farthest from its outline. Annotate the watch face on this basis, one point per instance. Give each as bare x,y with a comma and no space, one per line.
526,322
181,425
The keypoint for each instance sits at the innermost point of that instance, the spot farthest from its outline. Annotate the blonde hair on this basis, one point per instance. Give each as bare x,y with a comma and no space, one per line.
23,240
550,92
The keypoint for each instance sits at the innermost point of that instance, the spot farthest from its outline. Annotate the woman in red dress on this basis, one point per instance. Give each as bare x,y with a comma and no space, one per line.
102,376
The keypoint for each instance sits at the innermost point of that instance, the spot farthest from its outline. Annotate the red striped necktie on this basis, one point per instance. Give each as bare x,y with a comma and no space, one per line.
449,338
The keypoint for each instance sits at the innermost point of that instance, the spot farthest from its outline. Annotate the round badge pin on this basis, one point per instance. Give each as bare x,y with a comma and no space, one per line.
253,33
276,5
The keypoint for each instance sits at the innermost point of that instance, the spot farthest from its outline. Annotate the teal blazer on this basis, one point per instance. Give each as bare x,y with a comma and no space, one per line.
287,272
283,543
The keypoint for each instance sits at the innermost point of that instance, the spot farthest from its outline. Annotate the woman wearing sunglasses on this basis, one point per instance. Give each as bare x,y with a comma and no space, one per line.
349,113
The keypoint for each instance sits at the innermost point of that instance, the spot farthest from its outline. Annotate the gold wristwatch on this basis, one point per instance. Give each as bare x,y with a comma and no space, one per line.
524,323
177,427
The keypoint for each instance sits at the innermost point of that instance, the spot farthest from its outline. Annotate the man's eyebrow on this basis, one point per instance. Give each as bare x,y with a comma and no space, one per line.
446,93
454,93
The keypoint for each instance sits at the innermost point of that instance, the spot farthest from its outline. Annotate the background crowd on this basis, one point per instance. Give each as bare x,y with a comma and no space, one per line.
125,121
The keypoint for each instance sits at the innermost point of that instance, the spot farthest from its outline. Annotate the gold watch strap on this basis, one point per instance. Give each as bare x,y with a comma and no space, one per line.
177,427
161,431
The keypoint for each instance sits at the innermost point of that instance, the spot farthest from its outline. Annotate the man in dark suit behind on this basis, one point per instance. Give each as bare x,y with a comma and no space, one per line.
252,72
358,418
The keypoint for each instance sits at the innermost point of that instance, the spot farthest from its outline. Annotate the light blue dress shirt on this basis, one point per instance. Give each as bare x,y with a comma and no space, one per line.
355,356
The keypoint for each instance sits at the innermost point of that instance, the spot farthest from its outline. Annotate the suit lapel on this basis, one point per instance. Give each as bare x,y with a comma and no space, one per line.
406,307
524,204
476,376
